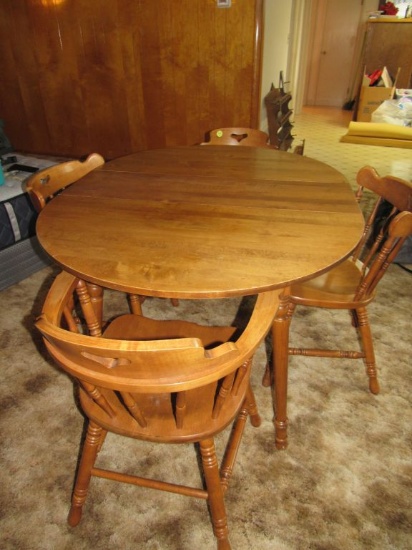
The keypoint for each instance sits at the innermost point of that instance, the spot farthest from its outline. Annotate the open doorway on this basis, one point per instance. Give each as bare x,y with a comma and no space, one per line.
332,47
326,50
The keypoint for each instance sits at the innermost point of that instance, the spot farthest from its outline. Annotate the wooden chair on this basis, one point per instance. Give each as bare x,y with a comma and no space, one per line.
160,381
245,136
299,149
351,285
238,136
42,186
45,184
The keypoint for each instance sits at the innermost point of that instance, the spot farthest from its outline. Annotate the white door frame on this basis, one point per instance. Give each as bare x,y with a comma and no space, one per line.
298,51
300,40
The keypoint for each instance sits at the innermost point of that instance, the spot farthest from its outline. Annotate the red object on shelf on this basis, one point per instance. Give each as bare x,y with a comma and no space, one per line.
389,8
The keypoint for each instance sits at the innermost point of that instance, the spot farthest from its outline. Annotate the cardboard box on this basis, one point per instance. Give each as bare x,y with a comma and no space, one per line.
372,96
370,99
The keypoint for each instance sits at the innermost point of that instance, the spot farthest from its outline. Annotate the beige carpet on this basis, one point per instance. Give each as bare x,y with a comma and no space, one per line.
343,484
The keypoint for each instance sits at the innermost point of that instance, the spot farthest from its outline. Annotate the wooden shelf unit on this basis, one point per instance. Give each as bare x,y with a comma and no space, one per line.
278,114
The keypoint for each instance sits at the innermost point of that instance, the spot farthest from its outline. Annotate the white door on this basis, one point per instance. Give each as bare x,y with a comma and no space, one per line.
334,31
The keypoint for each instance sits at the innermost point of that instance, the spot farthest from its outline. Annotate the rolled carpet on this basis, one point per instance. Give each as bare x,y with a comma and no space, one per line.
378,133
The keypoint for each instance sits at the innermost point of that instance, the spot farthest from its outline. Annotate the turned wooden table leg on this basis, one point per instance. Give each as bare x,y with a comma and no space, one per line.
96,296
280,357
91,306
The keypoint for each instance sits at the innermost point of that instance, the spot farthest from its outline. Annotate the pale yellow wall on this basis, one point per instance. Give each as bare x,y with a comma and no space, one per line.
285,46
277,17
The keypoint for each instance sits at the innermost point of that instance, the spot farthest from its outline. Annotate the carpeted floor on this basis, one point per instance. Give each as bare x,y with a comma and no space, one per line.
344,483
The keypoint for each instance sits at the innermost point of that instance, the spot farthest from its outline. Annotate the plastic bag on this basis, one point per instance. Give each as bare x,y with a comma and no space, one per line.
394,111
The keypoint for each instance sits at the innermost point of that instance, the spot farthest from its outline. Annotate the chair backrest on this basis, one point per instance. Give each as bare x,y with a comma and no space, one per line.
238,136
43,185
385,229
168,386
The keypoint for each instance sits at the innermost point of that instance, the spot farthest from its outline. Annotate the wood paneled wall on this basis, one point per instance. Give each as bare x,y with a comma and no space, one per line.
389,44
124,75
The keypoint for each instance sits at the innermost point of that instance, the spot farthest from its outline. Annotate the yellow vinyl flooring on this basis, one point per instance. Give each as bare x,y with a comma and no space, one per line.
322,128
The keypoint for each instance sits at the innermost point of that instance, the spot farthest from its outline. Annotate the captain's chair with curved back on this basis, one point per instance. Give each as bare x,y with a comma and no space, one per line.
350,285
238,136
159,381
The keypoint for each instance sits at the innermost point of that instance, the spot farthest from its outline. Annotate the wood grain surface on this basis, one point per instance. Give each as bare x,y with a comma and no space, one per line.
201,222
121,76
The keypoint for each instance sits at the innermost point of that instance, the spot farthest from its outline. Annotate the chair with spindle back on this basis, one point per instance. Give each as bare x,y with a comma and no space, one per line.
238,136
45,184
159,381
350,285
42,186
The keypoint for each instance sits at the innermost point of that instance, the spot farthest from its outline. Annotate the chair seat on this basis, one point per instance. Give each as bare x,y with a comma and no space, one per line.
138,327
333,289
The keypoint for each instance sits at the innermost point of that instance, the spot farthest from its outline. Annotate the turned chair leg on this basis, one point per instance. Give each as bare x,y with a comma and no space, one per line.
228,462
367,344
215,494
267,378
135,302
255,419
280,365
94,440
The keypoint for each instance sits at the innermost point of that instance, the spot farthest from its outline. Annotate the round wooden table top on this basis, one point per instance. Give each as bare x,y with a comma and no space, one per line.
202,222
